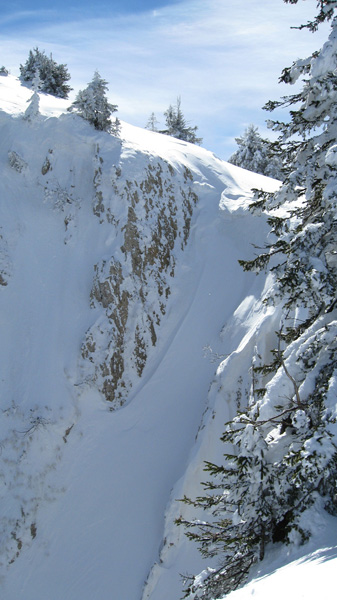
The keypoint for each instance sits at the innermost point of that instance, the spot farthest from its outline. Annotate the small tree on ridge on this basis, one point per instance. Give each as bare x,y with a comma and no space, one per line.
53,77
256,154
177,127
92,105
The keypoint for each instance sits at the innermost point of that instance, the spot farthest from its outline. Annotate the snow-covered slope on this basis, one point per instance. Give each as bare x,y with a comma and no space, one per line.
120,287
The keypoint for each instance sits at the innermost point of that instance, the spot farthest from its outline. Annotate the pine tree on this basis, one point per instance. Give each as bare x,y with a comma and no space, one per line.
152,123
53,76
116,127
92,105
256,154
239,496
282,456
177,127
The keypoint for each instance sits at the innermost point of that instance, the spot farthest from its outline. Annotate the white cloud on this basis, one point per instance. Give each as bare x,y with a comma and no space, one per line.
222,58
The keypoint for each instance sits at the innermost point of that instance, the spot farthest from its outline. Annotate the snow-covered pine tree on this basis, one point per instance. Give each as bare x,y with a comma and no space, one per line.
152,123
285,440
240,498
53,76
256,154
116,127
177,127
92,105
280,459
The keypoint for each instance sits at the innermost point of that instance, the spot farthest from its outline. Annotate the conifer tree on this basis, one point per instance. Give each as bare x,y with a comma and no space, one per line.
116,127
256,154
92,105
152,123
177,127
53,76
281,452
280,459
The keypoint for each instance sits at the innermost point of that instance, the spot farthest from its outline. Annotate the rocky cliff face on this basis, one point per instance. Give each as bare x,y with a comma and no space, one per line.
88,229
151,217
145,209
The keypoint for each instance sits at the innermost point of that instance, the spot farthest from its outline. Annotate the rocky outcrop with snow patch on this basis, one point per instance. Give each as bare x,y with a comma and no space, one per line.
151,219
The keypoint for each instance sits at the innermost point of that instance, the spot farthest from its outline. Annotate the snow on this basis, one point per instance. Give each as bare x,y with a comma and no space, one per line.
331,156
89,495
299,574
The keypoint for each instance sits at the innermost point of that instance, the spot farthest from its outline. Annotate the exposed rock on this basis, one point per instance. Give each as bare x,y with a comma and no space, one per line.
133,290
16,161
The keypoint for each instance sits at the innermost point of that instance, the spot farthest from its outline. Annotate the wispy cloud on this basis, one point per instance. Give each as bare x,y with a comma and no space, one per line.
23,16
222,58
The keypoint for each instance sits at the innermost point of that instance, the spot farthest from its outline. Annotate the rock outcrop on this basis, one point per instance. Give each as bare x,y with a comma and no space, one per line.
152,219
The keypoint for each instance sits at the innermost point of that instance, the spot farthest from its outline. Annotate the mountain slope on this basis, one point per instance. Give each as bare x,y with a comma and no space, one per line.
84,487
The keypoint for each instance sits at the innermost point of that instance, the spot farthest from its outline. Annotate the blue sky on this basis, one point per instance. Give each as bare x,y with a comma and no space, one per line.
222,57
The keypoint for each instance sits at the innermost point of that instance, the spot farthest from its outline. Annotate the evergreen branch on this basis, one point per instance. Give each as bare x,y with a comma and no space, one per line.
274,419
296,390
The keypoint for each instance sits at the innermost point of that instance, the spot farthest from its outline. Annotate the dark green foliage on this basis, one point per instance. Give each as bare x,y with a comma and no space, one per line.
177,127
53,77
325,13
275,467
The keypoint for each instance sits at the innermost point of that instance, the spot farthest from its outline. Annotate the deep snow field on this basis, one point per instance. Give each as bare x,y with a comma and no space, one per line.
88,494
